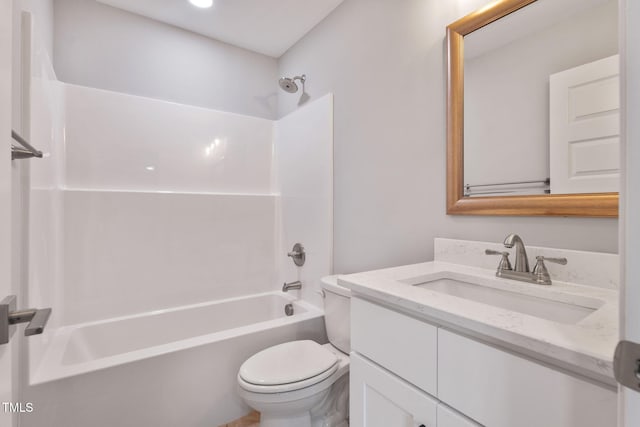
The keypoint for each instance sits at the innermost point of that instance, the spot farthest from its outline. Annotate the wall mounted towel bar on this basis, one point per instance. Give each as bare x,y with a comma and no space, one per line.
27,151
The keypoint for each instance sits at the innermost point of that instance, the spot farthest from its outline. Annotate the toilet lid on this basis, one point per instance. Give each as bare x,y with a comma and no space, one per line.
287,363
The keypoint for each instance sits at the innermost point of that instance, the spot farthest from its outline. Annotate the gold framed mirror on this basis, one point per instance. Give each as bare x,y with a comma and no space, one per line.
578,204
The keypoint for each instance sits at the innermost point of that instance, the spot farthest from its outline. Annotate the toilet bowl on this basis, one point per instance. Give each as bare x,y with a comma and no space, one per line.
303,383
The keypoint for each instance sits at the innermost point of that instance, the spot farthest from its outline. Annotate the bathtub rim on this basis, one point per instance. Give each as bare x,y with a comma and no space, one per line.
50,368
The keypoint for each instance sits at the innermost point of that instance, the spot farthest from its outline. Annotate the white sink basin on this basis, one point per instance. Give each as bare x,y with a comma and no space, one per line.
549,309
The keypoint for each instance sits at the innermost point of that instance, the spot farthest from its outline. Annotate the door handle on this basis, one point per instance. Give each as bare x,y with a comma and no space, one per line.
9,316
626,364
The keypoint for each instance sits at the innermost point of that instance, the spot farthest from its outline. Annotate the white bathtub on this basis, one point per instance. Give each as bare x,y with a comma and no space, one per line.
163,368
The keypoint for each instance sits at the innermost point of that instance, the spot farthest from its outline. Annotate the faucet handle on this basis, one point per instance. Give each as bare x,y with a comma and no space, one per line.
540,270
298,254
492,252
504,263
562,261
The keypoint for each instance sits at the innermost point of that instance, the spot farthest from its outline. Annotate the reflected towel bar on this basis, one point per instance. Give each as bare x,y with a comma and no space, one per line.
468,188
546,181
23,153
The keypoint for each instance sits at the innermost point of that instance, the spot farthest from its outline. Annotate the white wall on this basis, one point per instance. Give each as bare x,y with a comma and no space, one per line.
104,47
384,61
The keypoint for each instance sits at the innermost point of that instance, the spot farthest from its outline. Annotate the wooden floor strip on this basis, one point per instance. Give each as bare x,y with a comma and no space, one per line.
250,420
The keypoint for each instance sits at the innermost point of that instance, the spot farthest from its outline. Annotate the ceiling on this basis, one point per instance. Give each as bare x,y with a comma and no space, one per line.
269,27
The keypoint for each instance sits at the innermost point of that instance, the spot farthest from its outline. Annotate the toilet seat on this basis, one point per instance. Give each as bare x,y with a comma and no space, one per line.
283,388
287,367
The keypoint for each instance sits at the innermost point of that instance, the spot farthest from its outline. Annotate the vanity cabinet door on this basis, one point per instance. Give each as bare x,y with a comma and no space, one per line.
380,399
404,345
499,389
447,417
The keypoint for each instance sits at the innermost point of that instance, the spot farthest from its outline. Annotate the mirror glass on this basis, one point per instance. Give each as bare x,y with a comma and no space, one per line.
541,101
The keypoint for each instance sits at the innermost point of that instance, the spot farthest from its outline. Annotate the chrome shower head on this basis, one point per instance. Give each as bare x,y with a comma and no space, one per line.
289,84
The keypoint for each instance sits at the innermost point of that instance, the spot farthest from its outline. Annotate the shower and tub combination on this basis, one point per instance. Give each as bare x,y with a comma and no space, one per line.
163,261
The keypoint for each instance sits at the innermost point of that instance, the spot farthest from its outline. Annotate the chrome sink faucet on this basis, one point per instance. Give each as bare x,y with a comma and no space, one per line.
520,270
522,261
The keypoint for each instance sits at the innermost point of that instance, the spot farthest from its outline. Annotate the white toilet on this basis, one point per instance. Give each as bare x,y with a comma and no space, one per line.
303,383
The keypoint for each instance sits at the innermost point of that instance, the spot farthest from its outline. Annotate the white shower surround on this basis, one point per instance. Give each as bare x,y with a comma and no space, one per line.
116,141
146,205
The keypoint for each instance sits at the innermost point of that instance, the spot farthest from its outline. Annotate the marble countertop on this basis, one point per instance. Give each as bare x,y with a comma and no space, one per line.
585,347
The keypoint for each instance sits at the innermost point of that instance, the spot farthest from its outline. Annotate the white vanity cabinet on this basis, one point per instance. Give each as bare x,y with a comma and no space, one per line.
376,335
406,372
381,399
447,417
500,389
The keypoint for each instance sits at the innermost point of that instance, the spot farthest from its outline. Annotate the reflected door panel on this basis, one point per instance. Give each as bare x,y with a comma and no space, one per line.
585,128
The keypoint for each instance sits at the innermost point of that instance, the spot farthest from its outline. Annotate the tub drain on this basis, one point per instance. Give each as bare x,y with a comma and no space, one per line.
288,309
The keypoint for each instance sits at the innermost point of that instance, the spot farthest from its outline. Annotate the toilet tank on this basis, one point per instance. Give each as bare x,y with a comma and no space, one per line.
337,313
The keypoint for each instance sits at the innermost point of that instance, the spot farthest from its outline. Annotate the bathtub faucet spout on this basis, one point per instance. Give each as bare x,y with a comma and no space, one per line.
293,285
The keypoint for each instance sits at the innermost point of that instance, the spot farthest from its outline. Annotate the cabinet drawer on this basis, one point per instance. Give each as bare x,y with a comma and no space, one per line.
499,389
380,399
399,343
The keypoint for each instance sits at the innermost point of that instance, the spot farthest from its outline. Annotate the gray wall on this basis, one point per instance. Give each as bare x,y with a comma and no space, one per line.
385,62
99,46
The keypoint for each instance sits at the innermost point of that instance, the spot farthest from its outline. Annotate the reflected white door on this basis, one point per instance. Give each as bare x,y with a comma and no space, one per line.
630,213
584,128
7,388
